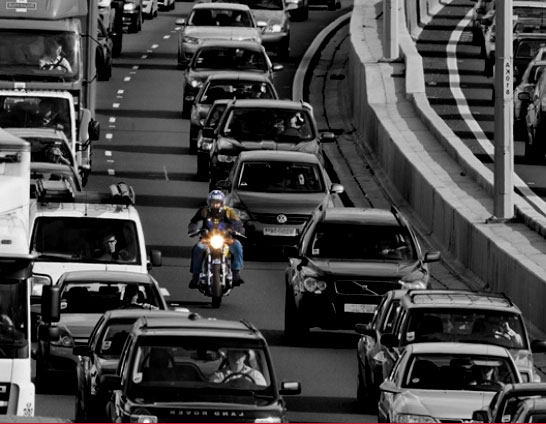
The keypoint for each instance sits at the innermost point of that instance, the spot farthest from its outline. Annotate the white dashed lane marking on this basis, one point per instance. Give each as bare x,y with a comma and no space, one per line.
109,136
127,79
166,37
107,153
116,105
111,172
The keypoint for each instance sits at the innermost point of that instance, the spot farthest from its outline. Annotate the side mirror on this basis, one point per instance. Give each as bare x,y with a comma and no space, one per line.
432,256
94,130
337,188
277,67
110,382
389,340
480,416
365,330
155,257
290,388
327,137
389,387
81,351
208,132
524,96
538,346
180,21
291,251
261,24
51,304
47,333
223,184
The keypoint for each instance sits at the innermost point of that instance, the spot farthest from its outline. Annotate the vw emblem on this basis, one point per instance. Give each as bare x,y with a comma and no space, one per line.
281,219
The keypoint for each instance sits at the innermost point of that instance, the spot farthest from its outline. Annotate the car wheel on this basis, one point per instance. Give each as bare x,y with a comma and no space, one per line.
79,412
156,12
133,28
194,132
203,166
102,73
534,152
186,109
294,328
139,22
283,50
41,378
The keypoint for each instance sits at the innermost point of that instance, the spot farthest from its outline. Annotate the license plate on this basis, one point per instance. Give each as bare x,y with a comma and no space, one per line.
280,231
359,308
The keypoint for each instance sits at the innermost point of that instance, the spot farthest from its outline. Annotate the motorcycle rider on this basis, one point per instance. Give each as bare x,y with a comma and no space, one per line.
216,215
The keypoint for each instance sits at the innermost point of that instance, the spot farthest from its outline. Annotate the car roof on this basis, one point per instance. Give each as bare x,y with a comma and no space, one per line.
277,156
353,215
269,103
458,348
524,387
239,76
458,299
529,4
223,6
137,313
107,276
194,324
208,43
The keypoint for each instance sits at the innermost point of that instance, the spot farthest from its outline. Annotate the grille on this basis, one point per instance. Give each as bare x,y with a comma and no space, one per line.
271,218
365,287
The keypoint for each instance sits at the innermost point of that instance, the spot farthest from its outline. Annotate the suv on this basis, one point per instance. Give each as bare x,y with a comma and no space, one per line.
261,124
466,317
196,369
68,230
346,260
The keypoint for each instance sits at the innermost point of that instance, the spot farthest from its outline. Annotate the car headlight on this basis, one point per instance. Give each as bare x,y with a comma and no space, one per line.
410,418
204,145
268,420
409,285
313,285
226,158
190,40
38,282
242,214
64,340
195,83
140,418
129,6
274,28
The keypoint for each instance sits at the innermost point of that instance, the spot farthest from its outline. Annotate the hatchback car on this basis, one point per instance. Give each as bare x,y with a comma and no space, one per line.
85,296
133,15
100,357
227,85
255,124
275,193
346,260
220,21
444,382
183,370
223,55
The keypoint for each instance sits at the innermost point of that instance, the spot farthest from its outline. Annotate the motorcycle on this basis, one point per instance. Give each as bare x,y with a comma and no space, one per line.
216,279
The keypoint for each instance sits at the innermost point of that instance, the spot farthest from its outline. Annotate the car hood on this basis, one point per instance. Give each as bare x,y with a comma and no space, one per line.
79,325
223,33
448,405
224,143
291,203
367,268
272,17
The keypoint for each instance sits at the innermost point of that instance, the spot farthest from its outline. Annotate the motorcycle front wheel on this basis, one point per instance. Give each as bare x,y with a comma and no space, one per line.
216,290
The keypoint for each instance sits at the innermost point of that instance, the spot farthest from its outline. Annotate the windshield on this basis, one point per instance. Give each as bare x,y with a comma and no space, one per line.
338,240
40,55
217,90
234,59
82,239
466,325
282,126
280,177
113,338
458,372
13,319
257,4
89,297
528,48
221,18
35,112
176,368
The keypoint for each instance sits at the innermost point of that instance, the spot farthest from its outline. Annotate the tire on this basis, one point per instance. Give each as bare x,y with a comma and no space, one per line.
79,412
216,291
194,132
173,5
283,51
202,167
139,22
186,109
294,328
41,378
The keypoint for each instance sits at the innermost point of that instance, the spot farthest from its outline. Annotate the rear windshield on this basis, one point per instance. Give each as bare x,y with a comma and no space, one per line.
218,90
231,59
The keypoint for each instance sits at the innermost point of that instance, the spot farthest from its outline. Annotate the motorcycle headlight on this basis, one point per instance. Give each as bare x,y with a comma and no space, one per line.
129,6
226,158
38,282
410,418
242,214
274,28
190,40
216,241
313,285
268,420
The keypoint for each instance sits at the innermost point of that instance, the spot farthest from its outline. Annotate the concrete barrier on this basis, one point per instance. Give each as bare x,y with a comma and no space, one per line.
449,190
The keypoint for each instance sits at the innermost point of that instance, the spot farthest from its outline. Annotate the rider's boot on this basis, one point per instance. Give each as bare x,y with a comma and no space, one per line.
194,283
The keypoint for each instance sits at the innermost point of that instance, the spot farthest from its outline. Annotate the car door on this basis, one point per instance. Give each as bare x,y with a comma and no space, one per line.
386,399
